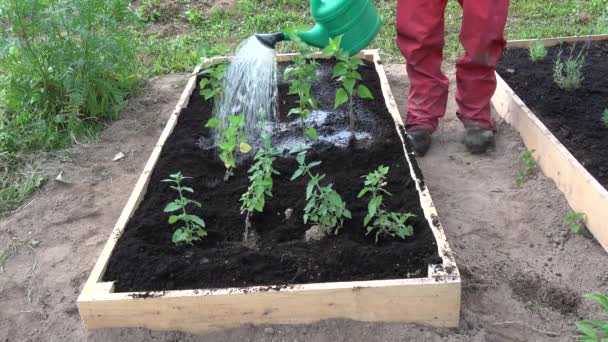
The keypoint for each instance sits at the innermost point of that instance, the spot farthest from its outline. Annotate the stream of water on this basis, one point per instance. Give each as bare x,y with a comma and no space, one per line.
250,88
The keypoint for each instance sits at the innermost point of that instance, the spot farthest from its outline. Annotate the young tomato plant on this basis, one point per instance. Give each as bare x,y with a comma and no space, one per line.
324,206
213,82
229,136
260,180
575,220
346,71
594,330
384,222
193,227
528,166
605,117
300,77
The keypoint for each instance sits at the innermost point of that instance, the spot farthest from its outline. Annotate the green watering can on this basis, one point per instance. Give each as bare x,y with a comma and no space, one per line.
356,20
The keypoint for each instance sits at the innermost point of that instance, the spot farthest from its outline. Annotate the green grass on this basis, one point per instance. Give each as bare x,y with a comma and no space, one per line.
19,178
527,19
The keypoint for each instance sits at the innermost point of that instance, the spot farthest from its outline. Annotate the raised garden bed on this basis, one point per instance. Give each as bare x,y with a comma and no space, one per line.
563,127
142,279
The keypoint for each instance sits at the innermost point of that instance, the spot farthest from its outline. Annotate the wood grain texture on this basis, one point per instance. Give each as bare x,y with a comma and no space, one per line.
583,192
434,300
524,43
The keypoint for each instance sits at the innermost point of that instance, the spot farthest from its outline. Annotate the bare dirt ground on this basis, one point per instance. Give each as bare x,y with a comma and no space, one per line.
523,274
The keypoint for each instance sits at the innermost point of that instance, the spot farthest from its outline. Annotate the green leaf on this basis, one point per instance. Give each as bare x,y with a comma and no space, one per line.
173,206
309,189
311,133
339,70
212,123
186,188
197,220
313,164
346,213
372,206
294,111
341,98
297,174
364,92
601,299
174,218
349,85
587,329
181,235
244,147
362,192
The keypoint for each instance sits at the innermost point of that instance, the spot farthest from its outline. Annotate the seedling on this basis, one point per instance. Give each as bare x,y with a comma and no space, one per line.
193,228
568,73
537,51
260,181
346,72
324,206
575,221
384,222
594,331
527,167
605,117
213,84
300,77
229,136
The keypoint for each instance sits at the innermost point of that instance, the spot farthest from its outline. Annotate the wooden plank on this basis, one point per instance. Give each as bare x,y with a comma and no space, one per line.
524,43
434,300
583,192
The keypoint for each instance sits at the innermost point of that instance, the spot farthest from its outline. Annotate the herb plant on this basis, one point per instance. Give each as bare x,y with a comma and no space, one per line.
300,77
382,221
260,180
324,206
193,227
346,71
605,118
213,84
568,72
594,331
527,167
537,51
229,136
575,221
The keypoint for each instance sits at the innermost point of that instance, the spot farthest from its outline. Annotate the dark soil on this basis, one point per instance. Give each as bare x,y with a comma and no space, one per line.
574,117
145,259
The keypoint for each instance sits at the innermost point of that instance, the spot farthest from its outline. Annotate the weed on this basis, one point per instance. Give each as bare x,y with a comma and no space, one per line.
19,177
66,68
148,11
213,84
568,73
260,180
346,72
594,331
605,118
384,222
300,76
537,51
575,221
527,167
229,136
193,228
195,17
324,206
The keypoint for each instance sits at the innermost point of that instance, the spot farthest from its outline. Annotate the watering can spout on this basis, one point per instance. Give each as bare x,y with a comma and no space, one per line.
271,39
357,21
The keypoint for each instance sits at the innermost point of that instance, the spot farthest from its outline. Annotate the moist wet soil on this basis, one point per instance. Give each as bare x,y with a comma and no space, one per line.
145,259
574,117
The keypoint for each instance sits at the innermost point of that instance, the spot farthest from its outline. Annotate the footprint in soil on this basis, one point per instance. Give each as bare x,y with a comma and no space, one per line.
531,287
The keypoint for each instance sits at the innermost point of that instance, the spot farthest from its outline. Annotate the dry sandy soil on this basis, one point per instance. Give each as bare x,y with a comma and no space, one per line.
523,274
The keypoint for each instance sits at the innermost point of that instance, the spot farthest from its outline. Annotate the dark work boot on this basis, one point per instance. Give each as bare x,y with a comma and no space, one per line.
420,140
477,139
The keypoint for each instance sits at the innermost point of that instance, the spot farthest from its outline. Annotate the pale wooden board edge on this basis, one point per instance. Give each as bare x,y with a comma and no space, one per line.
96,294
582,191
524,43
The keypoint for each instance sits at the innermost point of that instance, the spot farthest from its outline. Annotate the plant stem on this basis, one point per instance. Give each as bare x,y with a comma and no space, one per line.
179,191
352,118
247,226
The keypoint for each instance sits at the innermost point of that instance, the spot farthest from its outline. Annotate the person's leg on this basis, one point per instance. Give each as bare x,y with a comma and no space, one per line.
482,37
420,32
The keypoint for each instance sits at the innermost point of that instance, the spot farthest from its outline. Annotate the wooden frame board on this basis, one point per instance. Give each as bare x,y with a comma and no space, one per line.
434,300
583,192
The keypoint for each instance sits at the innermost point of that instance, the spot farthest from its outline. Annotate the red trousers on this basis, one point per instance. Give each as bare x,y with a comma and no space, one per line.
420,37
